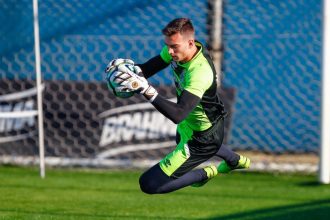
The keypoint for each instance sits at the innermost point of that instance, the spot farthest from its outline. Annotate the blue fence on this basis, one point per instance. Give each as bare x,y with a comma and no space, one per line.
272,55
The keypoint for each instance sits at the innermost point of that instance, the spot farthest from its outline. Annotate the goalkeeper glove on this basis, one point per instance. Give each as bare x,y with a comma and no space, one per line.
136,82
116,62
116,75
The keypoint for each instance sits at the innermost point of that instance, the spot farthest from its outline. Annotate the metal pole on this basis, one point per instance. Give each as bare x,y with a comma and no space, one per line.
39,89
324,170
216,36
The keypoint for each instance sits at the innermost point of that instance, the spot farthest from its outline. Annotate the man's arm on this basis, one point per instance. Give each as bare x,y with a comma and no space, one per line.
153,66
176,112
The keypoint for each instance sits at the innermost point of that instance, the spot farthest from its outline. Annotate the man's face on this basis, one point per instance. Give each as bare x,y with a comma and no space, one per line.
179,47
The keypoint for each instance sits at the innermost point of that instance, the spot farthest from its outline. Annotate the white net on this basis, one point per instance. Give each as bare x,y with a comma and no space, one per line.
271,78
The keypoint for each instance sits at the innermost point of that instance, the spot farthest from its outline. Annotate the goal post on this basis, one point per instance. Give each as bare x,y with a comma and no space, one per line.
39,89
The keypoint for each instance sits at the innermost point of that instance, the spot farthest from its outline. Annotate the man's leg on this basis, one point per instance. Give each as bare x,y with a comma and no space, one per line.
155,181
231,160
175,170
228,155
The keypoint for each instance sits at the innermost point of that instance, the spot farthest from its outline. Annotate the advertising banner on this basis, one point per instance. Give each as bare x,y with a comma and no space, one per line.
85,120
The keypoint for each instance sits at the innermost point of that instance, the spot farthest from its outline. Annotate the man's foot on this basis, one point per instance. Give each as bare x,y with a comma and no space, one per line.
211,171
243,163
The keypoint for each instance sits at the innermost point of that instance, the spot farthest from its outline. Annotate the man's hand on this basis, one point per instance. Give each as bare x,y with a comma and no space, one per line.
138,83
116,62
116,74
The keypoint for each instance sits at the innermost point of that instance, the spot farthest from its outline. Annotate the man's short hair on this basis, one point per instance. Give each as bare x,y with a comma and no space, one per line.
179,25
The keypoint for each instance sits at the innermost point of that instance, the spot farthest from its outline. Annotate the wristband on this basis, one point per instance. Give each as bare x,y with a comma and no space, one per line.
150,93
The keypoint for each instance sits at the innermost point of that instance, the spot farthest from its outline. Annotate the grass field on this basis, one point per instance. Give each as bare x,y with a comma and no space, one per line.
96,194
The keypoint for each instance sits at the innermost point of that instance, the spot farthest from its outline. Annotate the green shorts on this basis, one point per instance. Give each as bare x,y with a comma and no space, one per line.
193,148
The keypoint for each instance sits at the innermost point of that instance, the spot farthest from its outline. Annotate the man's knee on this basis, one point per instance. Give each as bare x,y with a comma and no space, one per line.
152,180
147,184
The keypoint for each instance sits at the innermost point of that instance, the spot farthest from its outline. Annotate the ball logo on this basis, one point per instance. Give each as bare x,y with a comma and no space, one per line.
135,85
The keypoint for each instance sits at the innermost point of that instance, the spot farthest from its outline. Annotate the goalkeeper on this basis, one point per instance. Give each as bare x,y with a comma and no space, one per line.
198,113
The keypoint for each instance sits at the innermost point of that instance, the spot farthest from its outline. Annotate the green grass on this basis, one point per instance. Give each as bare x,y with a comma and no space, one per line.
95,194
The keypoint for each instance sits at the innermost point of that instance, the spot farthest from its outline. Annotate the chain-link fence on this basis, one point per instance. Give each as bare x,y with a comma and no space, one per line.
272,57
271,65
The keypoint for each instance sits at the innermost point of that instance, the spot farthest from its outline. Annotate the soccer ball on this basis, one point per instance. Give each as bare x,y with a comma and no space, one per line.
115,77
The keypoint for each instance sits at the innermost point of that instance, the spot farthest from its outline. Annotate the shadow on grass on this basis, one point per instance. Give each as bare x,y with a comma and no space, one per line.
311,184
316,210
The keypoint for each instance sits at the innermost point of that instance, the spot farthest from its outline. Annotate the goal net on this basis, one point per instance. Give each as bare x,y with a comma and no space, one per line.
271,80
